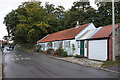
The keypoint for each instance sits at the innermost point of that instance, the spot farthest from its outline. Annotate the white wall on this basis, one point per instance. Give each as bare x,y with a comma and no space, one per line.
85,48
89,27
69,49
97,49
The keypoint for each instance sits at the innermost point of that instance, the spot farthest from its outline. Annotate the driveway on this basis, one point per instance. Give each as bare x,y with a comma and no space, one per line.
18,64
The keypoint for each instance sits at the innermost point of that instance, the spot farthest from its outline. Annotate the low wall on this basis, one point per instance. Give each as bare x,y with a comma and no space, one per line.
0,65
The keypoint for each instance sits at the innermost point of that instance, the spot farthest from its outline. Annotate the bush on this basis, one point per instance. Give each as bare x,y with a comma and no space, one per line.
64,54
60,52
79,56
49,51
38,48
117,57
70,55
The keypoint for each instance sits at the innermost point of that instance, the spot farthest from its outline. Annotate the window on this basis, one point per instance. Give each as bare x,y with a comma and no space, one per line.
78,44
55,44
67,44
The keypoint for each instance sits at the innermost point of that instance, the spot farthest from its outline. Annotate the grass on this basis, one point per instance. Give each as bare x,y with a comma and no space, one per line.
26,50
108,63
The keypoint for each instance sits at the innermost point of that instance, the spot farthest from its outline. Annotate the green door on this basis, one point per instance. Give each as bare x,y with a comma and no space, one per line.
82,48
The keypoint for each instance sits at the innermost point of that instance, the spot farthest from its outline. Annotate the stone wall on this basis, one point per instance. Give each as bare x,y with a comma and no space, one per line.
117,41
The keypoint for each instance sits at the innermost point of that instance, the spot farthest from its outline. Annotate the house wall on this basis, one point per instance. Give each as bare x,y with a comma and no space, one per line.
110,48
89,27
117,41
69,49
66,45
85,49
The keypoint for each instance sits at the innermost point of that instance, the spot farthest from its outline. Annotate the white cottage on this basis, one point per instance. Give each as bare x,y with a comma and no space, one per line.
67,38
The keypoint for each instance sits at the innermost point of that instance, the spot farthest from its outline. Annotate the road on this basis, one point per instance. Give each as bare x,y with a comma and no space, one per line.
18,64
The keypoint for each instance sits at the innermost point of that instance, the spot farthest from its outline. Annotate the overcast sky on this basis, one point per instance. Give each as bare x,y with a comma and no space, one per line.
7,5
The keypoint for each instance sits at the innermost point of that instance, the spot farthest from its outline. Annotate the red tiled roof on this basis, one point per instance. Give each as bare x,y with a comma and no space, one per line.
3,41
104,32
63,35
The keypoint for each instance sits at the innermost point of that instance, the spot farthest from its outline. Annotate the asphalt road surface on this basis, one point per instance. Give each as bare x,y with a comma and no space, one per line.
18,64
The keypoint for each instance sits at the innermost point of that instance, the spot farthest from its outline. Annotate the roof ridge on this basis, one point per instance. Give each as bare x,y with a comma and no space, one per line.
70,28
64,34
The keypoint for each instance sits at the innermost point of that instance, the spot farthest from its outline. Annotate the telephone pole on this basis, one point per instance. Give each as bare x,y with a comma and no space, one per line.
113,31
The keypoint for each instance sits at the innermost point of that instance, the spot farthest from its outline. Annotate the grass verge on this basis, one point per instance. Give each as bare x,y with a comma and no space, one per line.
26,50
110,63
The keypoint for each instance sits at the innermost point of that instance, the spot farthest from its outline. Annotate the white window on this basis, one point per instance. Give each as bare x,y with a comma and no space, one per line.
78,44
67,44
55,44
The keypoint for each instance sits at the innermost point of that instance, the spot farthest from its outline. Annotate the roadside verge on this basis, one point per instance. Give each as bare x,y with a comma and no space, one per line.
85,62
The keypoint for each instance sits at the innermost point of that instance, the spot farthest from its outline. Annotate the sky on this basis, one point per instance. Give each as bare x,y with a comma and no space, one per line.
7,6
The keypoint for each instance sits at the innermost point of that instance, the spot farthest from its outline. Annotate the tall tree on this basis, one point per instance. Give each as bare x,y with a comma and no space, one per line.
104,13
55,16
28,23
11,20
80,11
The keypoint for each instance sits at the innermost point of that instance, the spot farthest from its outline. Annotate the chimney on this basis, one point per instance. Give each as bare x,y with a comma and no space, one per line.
77,24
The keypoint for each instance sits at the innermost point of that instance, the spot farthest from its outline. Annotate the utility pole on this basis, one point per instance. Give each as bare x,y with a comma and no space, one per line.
113,31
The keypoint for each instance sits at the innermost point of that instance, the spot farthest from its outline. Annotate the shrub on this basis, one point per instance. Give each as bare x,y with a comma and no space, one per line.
49,51
38,48
117,57
60,52
64,54
70,55
79,56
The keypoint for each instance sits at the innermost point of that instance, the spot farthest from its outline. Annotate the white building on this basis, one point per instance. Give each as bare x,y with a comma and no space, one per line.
69,39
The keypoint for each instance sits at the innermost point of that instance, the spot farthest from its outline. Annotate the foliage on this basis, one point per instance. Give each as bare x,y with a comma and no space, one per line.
79,12
49,44
38,48
108,63
60,44
84,13
73,47
60,52
31,21
4,44
70,55
64,54
49,51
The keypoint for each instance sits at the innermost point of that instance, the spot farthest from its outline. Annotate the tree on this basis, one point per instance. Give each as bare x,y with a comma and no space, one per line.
11,20
28,23
81,5
104,13
80,11
55,16
49,8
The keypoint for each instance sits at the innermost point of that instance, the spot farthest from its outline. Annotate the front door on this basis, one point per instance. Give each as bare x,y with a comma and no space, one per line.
82,48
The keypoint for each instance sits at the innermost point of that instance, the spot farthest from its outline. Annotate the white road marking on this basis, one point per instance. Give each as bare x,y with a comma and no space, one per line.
19,55
15,55
22,58
17,58
27,58
12,59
